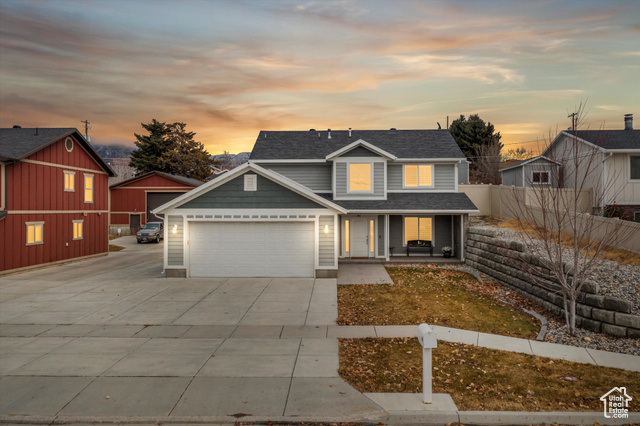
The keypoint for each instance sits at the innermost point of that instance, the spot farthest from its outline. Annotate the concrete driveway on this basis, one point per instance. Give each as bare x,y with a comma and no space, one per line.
110,338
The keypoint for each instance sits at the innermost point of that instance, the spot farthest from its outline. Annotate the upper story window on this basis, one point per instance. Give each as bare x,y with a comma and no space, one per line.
34,233
360,179
68,144
540,177
88,188
69,181
634,167
418,176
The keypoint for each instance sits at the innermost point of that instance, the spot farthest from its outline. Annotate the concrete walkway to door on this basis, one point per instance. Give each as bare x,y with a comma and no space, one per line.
363,273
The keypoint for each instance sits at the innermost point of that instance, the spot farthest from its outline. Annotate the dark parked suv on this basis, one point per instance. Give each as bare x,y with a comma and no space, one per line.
151,231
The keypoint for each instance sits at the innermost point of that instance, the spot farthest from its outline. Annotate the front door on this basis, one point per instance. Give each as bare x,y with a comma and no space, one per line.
359,237
134,223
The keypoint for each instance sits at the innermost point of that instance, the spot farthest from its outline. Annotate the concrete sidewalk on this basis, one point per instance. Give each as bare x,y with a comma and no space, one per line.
494,341
363,273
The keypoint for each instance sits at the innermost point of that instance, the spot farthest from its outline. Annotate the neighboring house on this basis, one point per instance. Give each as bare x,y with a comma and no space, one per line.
614,173
307,199
133,199
533,172
54,198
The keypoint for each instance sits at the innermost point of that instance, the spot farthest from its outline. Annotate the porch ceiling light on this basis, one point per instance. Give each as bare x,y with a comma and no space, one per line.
175,229
326,229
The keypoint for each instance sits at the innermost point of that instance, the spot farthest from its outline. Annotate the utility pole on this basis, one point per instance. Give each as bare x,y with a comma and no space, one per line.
86,129
573,120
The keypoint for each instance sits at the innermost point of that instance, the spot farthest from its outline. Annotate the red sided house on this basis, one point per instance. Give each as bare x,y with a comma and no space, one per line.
54,198
133,199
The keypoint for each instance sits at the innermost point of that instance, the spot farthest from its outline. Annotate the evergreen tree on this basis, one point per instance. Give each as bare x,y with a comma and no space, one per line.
186,157
474,133
170,148
150,148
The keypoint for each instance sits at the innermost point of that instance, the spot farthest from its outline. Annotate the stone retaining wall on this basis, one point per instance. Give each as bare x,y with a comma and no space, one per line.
507,260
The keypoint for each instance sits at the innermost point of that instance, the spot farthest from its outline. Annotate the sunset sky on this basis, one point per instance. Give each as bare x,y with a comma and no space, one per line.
231,68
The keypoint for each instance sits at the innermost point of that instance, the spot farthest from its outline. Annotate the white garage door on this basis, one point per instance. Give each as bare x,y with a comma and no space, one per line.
252,249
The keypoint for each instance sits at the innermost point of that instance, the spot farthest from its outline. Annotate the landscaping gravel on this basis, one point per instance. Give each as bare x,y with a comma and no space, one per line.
615,279
557,333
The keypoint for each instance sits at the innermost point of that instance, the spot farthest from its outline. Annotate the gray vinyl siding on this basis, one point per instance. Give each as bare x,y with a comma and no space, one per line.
326,249
441,233
512,177
463,172
444,178
232,195
396,235
381,235
175,254
540,166
316,177
378,181
360,152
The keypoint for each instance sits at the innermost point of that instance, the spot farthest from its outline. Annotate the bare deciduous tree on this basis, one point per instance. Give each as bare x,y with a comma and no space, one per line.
486,166
556,224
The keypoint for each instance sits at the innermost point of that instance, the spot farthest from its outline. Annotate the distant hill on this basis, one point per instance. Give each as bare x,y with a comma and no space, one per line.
109,152
230,161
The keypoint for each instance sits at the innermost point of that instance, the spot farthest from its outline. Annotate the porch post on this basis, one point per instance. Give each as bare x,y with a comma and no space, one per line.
462,237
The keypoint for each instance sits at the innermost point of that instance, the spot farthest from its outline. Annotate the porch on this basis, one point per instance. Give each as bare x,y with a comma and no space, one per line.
382,238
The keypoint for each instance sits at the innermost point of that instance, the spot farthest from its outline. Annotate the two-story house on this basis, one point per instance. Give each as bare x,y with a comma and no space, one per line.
307,199
54,198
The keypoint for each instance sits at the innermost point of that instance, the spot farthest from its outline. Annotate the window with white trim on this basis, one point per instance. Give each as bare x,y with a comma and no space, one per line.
360,177
417,228
77,229
540,177
69,181
88,188
250,182
418,176
372,234
68,144
634,167
35,233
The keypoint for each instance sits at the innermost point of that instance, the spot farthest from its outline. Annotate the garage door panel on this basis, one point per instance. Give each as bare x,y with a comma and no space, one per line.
252,249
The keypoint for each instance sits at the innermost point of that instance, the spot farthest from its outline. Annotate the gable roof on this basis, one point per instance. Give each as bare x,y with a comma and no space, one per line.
269,174
364,144
19,143
315,145
184,180
527,161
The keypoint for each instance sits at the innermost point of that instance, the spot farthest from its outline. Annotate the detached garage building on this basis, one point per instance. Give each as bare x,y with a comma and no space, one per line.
133,200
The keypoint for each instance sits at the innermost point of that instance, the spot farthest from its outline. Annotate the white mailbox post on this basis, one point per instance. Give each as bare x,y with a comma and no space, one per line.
427,339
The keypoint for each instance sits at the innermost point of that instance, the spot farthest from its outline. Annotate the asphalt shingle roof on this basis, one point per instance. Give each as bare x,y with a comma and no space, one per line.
445,202
20,143
299,145
181,179
611,139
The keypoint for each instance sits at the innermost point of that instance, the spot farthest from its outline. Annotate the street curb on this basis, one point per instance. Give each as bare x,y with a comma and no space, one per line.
405,417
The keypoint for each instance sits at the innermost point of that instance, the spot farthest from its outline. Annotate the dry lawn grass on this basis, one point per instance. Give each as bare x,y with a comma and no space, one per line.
113,247
617,255
481,378
434,296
